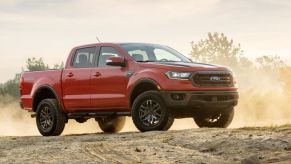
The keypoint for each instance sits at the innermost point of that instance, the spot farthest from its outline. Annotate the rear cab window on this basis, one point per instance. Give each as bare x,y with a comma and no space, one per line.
84,57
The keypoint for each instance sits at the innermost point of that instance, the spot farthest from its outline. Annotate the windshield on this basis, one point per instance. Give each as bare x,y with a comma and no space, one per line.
153,53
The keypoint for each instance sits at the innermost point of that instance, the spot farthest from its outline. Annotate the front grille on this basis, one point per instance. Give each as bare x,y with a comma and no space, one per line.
212,79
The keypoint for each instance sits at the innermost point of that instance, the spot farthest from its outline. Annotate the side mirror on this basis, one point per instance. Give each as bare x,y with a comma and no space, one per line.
116,61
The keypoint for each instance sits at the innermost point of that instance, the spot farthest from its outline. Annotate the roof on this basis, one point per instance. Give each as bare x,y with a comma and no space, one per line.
111,43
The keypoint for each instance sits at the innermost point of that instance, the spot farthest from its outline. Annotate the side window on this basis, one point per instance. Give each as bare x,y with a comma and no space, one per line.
83,57
105,53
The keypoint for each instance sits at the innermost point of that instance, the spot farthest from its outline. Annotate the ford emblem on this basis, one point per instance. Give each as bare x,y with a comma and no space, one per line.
215,78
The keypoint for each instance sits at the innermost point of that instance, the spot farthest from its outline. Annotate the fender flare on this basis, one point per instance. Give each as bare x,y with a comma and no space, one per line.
49,88
143,80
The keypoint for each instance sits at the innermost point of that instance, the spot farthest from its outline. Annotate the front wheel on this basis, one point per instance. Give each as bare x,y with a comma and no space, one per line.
50,119
149,112
218,120
111,124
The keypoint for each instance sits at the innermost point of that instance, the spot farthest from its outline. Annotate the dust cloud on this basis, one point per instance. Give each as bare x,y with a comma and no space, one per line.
264,101
264,98
15,121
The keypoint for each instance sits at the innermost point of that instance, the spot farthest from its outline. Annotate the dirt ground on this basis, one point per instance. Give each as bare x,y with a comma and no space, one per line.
244,145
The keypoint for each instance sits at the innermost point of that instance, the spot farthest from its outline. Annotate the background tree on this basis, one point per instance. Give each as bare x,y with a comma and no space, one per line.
270,62
33,64
59,66
11,87
219,49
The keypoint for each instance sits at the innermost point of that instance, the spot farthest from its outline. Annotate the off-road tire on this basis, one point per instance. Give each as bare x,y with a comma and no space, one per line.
56,116
225,118
166,119
111,124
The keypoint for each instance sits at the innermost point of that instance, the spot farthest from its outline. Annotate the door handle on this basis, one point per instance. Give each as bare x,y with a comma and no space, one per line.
97,74
70,74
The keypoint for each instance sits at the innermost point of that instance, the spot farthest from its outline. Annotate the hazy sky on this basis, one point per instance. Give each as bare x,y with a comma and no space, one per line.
50,28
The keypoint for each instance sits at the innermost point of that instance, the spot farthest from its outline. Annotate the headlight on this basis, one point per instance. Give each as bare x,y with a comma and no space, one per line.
178,75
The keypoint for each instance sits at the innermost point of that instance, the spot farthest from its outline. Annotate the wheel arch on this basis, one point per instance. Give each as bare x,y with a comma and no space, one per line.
44,92
141,86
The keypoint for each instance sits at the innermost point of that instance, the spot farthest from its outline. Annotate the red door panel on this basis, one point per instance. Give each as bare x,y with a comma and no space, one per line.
108,85
76,88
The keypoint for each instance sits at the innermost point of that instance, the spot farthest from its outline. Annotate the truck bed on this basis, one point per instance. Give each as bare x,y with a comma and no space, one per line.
32,80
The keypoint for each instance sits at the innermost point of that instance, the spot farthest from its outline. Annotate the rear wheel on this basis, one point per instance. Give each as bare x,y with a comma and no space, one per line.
50,119
218,120
111,124
149,112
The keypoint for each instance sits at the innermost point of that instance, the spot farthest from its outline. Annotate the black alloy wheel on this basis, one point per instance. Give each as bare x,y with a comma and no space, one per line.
50,119
149,112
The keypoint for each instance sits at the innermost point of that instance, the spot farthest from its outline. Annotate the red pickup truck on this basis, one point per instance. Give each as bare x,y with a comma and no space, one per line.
108,81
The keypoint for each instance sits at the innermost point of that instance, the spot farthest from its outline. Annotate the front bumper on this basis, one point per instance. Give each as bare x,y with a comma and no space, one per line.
200,99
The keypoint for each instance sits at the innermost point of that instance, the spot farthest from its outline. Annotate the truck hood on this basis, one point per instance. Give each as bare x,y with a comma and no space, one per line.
181,66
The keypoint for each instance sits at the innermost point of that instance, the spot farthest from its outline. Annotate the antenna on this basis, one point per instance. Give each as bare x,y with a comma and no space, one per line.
98,39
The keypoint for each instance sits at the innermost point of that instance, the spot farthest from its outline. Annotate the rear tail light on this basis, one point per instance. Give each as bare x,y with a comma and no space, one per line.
21,84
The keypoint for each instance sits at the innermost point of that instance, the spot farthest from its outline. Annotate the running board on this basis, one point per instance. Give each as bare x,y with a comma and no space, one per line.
95,114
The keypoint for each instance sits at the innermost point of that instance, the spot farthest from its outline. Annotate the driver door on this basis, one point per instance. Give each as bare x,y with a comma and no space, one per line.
108,83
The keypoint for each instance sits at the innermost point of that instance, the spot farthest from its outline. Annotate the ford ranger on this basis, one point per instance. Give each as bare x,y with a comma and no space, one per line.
154,84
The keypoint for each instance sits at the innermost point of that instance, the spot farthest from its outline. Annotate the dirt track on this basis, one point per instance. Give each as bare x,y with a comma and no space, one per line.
183,146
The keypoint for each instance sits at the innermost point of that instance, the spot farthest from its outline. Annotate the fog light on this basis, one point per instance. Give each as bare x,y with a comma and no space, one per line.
177,96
